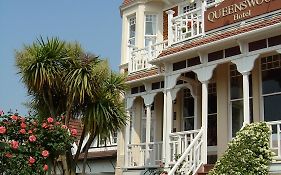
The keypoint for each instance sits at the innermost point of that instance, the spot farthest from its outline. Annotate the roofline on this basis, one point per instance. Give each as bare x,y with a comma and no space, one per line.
156,61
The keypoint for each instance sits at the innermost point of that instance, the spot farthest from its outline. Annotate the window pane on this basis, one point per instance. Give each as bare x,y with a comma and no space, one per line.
150,38
188,109
150,25
272,108
271,81
212,130
237,116
212,103
132,31
188,124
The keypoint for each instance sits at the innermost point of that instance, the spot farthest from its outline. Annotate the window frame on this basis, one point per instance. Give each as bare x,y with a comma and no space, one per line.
154,37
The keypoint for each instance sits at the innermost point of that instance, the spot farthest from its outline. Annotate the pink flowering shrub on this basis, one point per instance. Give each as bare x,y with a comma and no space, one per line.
30,147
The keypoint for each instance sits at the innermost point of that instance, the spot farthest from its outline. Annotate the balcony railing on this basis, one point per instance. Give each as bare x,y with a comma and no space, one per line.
137,154
275,138
187,26
179,142
139,58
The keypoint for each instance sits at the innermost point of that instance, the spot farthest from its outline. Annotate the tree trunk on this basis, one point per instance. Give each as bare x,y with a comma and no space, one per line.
80,144
91,139
64,164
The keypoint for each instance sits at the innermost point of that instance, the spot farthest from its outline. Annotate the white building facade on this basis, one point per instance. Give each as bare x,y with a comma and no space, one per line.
197,70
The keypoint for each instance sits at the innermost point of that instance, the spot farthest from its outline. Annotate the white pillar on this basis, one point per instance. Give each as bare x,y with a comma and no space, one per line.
127,137
147,134
169,121
246,98
205,120
170,29
164,127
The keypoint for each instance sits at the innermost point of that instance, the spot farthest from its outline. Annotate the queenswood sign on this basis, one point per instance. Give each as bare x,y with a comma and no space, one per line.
231,11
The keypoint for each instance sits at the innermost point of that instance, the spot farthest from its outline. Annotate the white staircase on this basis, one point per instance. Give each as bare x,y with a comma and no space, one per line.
191,159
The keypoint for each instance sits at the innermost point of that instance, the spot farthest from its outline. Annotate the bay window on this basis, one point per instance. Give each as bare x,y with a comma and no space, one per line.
150,29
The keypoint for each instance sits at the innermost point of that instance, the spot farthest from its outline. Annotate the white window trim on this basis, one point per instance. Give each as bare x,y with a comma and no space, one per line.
261,90
156,27
129,25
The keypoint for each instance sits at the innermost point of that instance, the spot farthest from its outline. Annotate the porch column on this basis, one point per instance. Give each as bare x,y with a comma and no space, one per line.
204,75
169,122
127,137
205,120
170,30
147,134
246,98
244,66
164,127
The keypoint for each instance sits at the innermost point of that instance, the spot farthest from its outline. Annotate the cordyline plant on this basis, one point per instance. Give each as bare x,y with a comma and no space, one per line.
28,146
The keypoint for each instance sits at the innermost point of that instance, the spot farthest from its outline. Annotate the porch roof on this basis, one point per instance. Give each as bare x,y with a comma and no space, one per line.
219,36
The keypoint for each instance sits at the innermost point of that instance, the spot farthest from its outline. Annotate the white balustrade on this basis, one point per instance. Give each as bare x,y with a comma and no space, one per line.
191,159
136,154
187,26
275,138
179,141
139,58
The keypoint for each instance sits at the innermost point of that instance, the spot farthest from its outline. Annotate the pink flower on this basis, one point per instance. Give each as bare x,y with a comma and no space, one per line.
29,131
31,160
50,120
45,167
32,138
22,131
73,132
63,126
45,125
23,125
8,155
22,119
13,117
14,144
45,153
2,130
57,123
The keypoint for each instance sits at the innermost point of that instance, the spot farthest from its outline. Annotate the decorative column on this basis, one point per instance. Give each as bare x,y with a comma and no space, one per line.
244,66
164,127
170,29
127,137
169,96
148,100
246,98
147,133
129,105
204,75
205,120
169,106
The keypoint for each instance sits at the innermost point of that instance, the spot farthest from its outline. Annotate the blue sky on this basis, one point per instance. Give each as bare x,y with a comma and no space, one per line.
96,24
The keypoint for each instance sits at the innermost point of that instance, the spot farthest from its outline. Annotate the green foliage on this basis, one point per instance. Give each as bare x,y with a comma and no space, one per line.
28,146
247,154
62,78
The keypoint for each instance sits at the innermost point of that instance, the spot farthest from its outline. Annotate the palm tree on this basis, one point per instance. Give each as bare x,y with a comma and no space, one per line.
98,94
62,78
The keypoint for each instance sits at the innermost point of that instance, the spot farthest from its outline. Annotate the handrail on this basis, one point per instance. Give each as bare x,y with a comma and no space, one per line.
185,132
187,13
186,152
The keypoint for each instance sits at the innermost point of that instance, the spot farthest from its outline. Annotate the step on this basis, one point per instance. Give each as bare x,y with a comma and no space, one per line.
204,169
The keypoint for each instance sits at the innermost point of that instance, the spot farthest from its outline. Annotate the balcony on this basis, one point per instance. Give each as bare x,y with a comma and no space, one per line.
139,58
181,28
